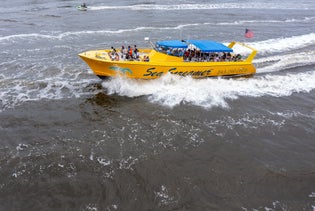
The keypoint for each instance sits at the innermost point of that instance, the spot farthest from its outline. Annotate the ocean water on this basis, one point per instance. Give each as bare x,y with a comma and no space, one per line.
70,141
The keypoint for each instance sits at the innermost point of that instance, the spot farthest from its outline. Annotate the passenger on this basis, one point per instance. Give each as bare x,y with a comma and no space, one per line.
192,55
130,51
212,57
175,52
216,58
228,56
203,57
186,55
127,56
207,57
113,49
180,52
238,57
223,57
146,58
122,51
116,57
135,49
197,55
135,52
112,57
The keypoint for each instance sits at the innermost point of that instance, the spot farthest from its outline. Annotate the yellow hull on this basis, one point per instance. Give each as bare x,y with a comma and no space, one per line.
161,64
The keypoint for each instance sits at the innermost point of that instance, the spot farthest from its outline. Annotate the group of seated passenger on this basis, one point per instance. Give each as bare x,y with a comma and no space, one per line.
129,54
197,56
113,54
175,52
171,51
146,58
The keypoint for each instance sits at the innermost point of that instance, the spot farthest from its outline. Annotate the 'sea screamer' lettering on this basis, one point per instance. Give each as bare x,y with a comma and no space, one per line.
152,73
201,73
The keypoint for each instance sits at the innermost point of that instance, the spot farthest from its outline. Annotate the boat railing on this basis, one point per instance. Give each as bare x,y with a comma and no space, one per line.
251,55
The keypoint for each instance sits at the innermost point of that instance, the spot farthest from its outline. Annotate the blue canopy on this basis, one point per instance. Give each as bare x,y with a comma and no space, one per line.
203,45
172,44
209,46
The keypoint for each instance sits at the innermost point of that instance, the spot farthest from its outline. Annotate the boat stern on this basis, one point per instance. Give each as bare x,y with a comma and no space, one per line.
251,56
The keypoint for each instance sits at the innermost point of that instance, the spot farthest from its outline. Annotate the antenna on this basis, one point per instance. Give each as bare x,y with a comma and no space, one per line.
147,40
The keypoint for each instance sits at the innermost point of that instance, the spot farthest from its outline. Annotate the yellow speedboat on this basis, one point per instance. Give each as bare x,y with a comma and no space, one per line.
195,58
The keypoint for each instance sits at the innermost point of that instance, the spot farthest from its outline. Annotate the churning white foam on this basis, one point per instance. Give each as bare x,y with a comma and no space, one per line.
171,90
285,61
16,91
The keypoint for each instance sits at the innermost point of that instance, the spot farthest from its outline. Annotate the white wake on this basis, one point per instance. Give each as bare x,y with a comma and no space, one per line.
171,90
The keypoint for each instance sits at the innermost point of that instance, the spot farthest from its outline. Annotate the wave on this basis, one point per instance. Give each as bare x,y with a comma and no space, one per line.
292,20
54,36
206,6
77,34
60,36
14,92
172,91
284,43
282,62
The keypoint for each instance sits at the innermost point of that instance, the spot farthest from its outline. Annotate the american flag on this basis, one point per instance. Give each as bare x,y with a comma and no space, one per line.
249,33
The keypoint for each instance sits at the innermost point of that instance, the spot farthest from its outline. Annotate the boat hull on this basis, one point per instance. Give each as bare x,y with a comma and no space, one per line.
102,66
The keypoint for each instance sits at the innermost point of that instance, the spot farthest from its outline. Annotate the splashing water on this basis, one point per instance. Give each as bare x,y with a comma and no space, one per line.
172,90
